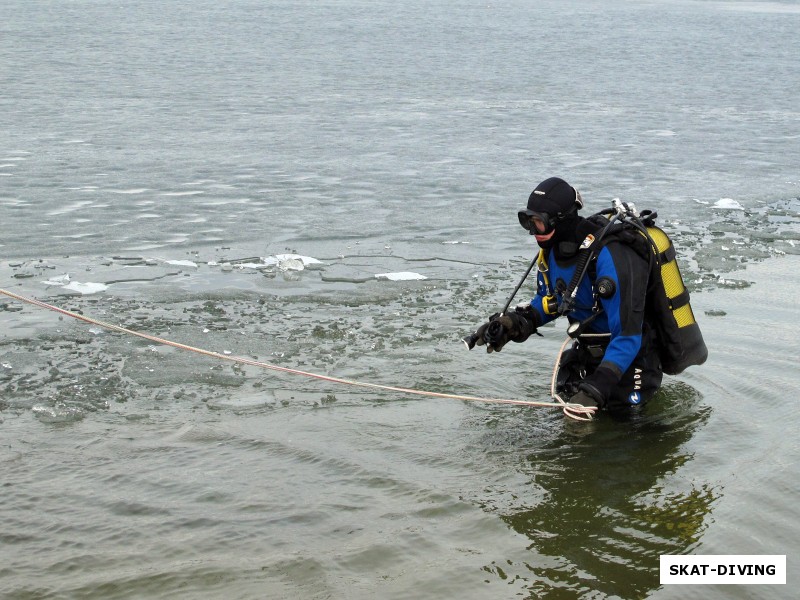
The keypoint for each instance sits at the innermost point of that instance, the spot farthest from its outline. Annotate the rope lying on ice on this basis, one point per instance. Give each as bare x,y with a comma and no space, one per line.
246,361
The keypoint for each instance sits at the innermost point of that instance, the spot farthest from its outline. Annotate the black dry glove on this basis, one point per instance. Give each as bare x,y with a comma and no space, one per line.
587,406
516,327
597,386
584,399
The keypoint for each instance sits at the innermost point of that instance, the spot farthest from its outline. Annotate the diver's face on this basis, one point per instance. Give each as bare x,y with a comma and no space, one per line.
543,239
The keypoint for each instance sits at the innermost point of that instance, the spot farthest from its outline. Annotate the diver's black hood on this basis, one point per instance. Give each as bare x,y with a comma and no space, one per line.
554,197
568,236
557,203
560,201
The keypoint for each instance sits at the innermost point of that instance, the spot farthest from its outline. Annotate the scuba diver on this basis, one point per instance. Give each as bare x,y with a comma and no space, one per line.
614,276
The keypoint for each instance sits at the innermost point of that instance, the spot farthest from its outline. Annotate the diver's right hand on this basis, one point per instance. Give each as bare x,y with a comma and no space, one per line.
492,334
500,329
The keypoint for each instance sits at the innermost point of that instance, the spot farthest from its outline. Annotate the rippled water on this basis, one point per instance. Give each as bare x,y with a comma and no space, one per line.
250,177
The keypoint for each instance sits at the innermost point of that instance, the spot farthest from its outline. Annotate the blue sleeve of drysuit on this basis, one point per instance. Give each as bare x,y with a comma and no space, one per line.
625,308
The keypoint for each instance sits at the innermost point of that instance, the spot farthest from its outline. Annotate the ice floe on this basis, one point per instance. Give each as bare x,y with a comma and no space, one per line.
290,262
86,288
181,263
728,204
401,276
59,280
65,281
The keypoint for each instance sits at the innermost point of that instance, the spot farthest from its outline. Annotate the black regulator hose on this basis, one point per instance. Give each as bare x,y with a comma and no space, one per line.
568,303
568,300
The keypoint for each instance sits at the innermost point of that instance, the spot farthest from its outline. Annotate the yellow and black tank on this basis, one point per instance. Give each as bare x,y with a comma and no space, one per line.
680,342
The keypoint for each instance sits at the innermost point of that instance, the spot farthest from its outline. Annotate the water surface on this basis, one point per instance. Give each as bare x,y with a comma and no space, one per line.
234,177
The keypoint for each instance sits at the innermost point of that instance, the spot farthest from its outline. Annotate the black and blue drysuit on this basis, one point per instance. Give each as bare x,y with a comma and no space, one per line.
615,357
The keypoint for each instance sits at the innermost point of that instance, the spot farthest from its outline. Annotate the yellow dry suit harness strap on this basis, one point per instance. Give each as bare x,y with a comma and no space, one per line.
549,302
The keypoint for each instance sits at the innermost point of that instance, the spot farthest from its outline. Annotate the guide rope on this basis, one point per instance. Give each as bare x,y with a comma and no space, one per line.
573,411
255,363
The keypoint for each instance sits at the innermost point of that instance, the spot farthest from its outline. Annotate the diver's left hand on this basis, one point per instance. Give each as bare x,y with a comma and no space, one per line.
584,399
586,409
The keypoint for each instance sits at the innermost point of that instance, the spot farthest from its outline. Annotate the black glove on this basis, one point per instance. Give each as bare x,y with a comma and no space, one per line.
584,399
516,327
587,406
598,385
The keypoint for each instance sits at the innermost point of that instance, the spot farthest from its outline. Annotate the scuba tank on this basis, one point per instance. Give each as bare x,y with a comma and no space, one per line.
667,309
680,343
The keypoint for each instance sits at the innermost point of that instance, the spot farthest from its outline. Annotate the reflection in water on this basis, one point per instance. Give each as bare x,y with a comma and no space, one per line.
612,502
